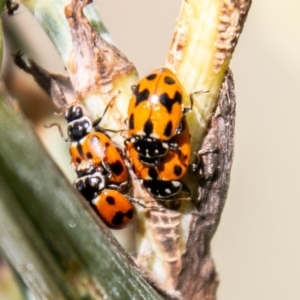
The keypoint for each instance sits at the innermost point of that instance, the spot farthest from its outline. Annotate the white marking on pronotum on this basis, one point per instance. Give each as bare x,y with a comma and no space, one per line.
95,201
154,136
83,120
141,133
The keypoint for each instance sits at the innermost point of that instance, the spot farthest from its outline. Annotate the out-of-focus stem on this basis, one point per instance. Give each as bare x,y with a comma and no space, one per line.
52,238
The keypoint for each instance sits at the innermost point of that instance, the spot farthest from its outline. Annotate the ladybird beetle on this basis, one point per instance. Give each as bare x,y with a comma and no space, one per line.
172,166
100,169
95,147
155,113
162,181
115,209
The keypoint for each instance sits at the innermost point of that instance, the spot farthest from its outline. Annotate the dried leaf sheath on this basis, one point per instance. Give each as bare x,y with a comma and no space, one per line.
94,63
100,73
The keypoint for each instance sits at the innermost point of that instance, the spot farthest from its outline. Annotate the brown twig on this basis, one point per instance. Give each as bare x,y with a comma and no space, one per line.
198,277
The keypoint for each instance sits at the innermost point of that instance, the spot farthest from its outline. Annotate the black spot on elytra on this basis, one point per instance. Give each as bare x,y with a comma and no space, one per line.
141,96
148,127
168,129
118,218
89,155
131,121
168,102
110,200
78,160
117,167
177,170
169,80
107,144
151,76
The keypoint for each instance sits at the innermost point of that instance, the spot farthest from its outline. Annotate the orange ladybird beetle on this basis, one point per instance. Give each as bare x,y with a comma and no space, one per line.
162,181
100,169
155,115
115,210
95,147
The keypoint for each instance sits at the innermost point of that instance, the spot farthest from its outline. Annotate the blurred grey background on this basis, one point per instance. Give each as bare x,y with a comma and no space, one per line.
257,245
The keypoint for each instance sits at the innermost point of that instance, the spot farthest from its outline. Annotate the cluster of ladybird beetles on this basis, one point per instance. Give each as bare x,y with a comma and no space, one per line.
157,146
